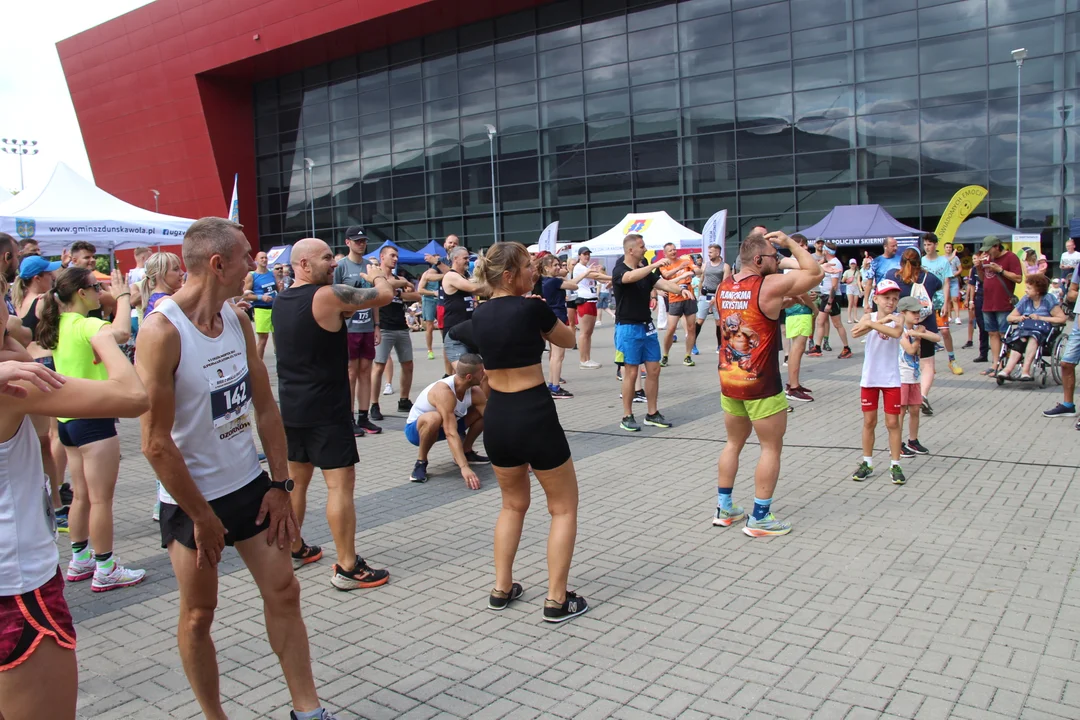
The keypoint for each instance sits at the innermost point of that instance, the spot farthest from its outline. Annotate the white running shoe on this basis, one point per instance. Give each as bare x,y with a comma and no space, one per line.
78,571
120,577
589,365
388,390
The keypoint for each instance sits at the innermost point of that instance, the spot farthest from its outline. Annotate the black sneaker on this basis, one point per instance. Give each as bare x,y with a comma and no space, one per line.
917,447
981,359
639,397
926,409
498,600
65,493
663,361
825,345
618,373
629,424
419,472
357,429
375,413
967,345
556,613
306,555
906,453
366,425
657,420
561,394
404,405
476,458
359,577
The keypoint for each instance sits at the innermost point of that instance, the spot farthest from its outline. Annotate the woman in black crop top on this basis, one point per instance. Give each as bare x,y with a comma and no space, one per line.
521,425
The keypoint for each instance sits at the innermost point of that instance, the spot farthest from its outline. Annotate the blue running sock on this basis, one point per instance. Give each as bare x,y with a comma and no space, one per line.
1070,406
761,508
723,499
952,357
316,714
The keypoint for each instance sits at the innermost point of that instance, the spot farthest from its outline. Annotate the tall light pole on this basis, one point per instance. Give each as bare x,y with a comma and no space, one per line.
20,148
1018,55
309,182
494,205
156,196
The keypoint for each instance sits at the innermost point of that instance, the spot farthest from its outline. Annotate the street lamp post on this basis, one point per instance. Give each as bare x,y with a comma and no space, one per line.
156,196
309,182
20,148
1018,55
494,206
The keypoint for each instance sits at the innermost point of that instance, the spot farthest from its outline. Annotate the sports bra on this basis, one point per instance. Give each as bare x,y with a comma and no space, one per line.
30,319
509,331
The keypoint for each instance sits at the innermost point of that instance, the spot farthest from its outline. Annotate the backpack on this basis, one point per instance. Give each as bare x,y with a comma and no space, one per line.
918,291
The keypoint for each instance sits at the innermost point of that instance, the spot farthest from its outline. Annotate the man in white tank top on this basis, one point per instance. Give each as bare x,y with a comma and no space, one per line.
446,410
197,436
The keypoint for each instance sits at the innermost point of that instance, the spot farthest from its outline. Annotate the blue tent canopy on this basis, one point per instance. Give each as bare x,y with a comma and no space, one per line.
405,257
858,225
433,248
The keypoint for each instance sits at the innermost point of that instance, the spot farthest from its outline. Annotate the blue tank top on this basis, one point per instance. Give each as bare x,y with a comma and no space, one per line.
263,284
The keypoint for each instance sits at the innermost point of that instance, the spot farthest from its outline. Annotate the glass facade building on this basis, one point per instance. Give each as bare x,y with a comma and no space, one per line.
776,111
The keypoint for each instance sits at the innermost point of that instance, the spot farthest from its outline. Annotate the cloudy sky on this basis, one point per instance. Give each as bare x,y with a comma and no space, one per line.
33,94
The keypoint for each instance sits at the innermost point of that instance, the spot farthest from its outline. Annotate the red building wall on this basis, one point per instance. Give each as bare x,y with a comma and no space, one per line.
163,94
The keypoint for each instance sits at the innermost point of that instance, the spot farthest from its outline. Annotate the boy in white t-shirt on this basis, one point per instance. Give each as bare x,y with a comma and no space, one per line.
910,388
881,376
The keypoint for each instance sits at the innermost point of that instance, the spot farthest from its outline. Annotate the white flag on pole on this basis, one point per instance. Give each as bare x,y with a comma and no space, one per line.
234,206
549,237
715,232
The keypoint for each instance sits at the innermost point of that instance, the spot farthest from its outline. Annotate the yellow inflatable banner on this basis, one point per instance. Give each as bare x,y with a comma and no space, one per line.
963,202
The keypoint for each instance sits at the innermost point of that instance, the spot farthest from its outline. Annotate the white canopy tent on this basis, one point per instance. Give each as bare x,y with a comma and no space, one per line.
656,228
68,207
5,195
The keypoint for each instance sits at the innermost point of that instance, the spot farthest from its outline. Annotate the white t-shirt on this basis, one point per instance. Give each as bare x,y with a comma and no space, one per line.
134,277
881,368
586,288
833,270
910,372
1069,260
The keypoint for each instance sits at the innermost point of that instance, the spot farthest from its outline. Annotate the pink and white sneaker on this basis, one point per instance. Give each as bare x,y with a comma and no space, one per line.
78,571
119,577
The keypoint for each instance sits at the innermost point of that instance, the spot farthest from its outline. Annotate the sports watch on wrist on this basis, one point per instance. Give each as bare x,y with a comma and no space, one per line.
287,485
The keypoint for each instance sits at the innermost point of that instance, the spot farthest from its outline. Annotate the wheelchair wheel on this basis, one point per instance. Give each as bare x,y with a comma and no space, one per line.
1054,358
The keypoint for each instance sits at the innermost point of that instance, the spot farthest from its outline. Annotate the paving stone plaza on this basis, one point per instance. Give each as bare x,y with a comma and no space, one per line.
955,596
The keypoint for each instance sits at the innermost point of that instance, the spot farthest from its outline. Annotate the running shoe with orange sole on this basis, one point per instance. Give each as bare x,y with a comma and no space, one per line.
727,518
305,555
360,577
766,526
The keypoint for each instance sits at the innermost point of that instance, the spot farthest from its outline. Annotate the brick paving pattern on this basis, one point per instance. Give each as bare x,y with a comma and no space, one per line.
953,596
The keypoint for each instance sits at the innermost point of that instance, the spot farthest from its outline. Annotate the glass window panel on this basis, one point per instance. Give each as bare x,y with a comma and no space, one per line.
606,78
954,155
407,162
344,129
608,51
650,98
568,217
656,183
607,27
372,81
1001,12
515,95
406,93
713,177
702,206
873,8
938,190
315,114
651,17
821,41
954,121
481,77
557,62
559,38
518,120
657,154
951,87
820,135
665,67
762,51
374,166
516,70
339,109
761,21
1037,112
829,102
823,72
518,144
901,27
316,135
766,172
563,86
562,112
814,13
766,208
441,109
709,60
718,147
708,119
898,127
608,159
889,161
607,105
768,80
954,51
1072,31
477,56
379,122
446,204
952,18
440,86
564,165
1041,37
822,199
522,170
477,102
408,185
437,65
409,116
886,62
1043,147
889,192
444,159
764,141
513,48
708,89
887,95
652,42
268,125
706,32
763,111
609,187
602,217
607,132
655,125
825,167
694,9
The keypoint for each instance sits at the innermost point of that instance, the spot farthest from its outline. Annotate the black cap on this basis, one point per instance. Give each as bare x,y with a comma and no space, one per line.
355,232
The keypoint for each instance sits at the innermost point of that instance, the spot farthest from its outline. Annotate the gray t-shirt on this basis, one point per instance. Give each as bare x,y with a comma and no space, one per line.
349,273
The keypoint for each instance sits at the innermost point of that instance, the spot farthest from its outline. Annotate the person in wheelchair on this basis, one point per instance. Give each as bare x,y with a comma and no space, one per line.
1032,321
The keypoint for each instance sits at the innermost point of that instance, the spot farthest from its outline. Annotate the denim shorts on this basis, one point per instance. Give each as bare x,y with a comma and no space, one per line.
996,321
637,342
1071,354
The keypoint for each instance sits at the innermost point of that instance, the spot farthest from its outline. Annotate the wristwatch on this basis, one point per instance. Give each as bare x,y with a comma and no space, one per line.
287,485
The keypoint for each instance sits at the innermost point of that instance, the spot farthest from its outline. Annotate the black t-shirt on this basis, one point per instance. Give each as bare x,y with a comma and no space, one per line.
392,316
632,301
463,333
508,330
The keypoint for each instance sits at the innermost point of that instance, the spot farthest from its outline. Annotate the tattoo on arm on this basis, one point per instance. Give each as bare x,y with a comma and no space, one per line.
354,296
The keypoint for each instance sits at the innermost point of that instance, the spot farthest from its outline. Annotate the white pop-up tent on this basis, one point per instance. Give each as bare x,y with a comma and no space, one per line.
656,229
68,207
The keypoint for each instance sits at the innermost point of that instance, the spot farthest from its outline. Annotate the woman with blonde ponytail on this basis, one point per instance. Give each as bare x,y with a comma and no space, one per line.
163,277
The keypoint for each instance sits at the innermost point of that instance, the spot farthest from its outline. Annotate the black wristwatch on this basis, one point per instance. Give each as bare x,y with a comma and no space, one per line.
287,485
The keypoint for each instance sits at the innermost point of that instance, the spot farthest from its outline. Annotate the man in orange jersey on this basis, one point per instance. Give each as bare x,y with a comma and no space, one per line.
681,271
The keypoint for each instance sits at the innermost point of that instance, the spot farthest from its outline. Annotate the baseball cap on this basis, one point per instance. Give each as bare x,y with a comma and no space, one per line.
852,262
988,242
355,232
582,250
908,304
886,286
33,265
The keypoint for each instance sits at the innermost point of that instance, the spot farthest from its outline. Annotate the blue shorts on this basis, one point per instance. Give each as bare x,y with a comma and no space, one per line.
428,305
1071,353
954,288
637,343
996,322
76,433
412,433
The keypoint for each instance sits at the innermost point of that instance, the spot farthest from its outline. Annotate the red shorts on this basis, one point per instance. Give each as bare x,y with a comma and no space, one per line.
890,399
587,307
362,346
26,619
910,394
440,312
